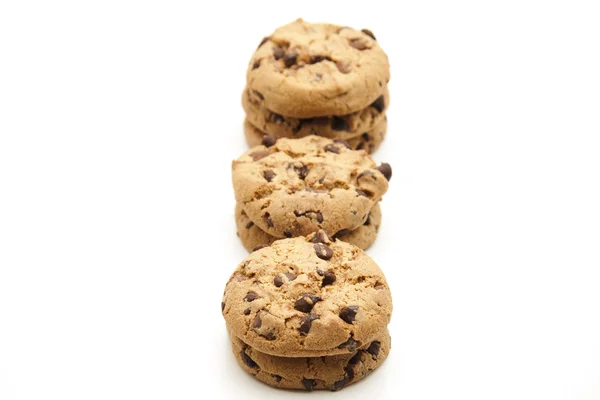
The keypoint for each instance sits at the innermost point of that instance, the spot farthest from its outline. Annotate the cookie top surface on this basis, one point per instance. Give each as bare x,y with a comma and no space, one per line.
308,70
307,297
298,186
333,127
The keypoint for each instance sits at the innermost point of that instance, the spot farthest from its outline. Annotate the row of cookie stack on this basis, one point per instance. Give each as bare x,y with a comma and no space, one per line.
307,310
318,79
308,313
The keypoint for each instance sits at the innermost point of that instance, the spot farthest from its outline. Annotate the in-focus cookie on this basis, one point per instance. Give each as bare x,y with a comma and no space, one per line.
333,127
306,70
298,186
368,141
252,236
307,297
311,373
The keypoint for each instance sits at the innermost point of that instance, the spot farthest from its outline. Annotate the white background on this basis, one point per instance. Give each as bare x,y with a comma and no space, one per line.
118,124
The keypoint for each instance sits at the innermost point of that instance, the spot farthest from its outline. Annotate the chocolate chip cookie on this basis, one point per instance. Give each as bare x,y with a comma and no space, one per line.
310,373
306,70
252,236
334,127
307,297
292,187
368,141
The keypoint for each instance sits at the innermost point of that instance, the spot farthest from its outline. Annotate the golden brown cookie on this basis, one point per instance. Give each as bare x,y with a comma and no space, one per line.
306,70
368,141
297,186
307,297
313,373
333,127
252,236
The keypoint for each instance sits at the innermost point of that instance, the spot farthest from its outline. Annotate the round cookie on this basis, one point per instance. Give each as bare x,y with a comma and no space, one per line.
298,186
342,127
306,70
368,141
307,297
309,373
252,236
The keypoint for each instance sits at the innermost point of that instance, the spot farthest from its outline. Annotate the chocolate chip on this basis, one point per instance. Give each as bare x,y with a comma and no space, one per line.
268,335
355,358
287,234
257,323
263,41
342,67
319,216
374,348
318,59
249,225
386,170
348,314
306,302
278,281
349,344
256,64
306,322
247,311
341,233
222,306
362,193
301,170
290,275
268,220
258,94
278,378
269,175
365,136
379,104
278,52
332,148
289,58
358,44
321,237
268,140
328,277
368,33
259,155
251,296
343,143
276,118
309,384
337,385
260,246
247,360
339,124
323,251
378,286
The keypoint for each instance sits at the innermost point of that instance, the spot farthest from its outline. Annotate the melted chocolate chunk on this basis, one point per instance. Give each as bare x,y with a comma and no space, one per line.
348,314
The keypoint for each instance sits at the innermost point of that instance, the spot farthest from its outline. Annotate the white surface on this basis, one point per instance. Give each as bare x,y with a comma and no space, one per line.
118,123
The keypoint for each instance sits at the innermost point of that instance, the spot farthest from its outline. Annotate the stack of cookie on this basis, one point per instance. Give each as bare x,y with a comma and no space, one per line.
308,313
318,79
293,187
